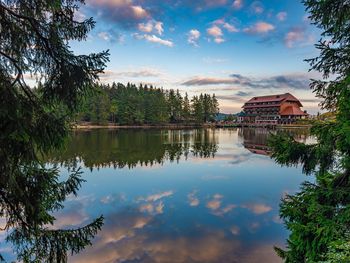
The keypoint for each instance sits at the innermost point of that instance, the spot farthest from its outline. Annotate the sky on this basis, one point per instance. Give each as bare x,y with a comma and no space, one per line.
236,49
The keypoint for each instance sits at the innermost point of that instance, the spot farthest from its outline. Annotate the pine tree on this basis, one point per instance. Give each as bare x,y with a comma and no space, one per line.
186,108
318,216
197,108
214,107
34,37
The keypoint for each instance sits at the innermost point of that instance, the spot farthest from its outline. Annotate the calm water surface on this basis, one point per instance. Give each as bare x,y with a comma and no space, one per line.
178,195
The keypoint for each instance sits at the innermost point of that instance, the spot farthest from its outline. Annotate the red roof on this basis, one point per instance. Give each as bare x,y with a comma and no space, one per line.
292,110
275,98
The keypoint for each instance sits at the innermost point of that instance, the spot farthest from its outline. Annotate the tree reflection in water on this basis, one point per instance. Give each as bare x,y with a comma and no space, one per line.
130,148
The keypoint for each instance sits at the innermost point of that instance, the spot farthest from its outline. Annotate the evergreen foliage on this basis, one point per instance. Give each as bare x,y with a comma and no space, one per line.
143,104
318,216
34,38
99,148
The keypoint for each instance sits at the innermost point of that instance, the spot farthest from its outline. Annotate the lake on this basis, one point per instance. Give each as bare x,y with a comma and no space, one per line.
196,195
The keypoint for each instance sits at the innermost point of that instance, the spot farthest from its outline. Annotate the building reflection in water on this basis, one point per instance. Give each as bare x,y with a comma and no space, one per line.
255,140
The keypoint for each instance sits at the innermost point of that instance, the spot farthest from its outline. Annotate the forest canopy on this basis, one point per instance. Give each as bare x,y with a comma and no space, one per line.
144,104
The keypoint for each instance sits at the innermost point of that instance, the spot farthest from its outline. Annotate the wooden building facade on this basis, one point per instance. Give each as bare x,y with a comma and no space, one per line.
273,109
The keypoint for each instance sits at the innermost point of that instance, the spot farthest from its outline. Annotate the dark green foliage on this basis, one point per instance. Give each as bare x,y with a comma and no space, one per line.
131,148
318,216
132,105
34,38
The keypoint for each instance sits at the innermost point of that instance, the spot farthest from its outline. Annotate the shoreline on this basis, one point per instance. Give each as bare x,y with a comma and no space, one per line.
165,126
178,126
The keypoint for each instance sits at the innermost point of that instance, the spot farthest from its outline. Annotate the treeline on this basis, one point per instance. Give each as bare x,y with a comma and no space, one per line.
130,104
99,148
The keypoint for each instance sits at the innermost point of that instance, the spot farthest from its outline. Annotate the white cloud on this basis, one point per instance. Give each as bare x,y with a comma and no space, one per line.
151,26
216,33
158,40
159,27
104,36
111,36
146,27
154,39
294,36
124,12
215,205
230,28
192,199
257,7
139,12
281,16
144,72
156,197
219,40
193,37
159,208
237,4
152,208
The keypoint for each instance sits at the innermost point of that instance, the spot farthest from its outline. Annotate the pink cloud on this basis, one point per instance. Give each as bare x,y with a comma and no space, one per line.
294,36
258,208
216,33
259,28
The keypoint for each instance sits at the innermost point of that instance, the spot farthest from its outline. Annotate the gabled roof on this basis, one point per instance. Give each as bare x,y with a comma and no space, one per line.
275,98
292,110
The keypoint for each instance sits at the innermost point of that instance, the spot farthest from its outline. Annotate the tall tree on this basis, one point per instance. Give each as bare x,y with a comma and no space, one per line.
186,108
197,108
318,216
34,38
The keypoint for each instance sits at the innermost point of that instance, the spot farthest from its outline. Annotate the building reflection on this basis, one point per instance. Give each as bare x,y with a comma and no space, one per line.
255,140
131,148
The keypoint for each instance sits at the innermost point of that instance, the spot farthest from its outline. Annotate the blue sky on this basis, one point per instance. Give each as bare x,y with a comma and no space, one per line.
233,48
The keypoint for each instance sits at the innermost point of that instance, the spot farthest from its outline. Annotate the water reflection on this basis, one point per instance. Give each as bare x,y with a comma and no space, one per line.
130,148
256,140
191,195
